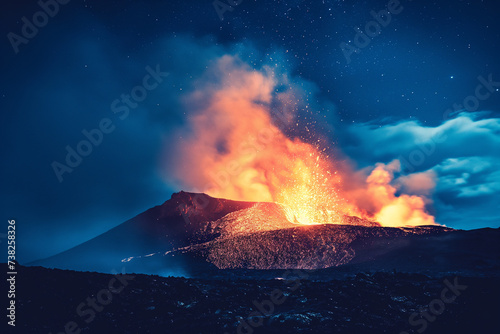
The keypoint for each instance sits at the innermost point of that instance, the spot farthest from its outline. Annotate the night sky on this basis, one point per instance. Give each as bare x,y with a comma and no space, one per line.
433,66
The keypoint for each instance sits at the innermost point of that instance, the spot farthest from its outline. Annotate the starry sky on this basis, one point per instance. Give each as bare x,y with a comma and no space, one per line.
386,89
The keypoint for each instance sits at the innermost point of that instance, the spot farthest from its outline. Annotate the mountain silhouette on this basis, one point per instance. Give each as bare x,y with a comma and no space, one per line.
193,234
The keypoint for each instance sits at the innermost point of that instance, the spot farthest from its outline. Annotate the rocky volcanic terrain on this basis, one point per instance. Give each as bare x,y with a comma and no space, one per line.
248,269
50,299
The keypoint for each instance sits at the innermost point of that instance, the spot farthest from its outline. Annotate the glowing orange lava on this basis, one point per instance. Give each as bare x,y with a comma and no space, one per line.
308,190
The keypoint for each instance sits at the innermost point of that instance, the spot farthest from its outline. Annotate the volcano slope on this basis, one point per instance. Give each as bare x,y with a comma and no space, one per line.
196,235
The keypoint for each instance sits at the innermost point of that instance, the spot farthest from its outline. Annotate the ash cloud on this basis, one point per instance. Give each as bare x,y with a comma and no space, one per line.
293,162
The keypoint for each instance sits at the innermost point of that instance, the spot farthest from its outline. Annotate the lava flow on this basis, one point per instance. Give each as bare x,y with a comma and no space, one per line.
236,148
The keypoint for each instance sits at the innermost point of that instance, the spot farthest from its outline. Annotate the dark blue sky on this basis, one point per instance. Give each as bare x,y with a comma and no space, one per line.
388,102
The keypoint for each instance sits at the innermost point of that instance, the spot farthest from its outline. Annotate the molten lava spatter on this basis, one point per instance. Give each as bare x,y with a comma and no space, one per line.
309,193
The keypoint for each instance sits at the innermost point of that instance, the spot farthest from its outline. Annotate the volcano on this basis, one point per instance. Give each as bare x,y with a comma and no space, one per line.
193,234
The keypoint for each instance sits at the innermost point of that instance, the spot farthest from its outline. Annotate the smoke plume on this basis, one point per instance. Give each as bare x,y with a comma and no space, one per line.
244,140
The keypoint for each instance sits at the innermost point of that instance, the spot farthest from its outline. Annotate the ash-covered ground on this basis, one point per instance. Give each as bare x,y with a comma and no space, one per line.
320,301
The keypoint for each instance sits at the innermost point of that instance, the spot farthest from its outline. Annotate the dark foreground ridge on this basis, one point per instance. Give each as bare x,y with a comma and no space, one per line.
49,300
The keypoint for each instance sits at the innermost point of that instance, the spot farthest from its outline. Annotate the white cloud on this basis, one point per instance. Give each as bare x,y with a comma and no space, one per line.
421,146
462,152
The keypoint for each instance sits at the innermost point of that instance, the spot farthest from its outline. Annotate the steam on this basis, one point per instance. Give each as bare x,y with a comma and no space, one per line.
392,210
